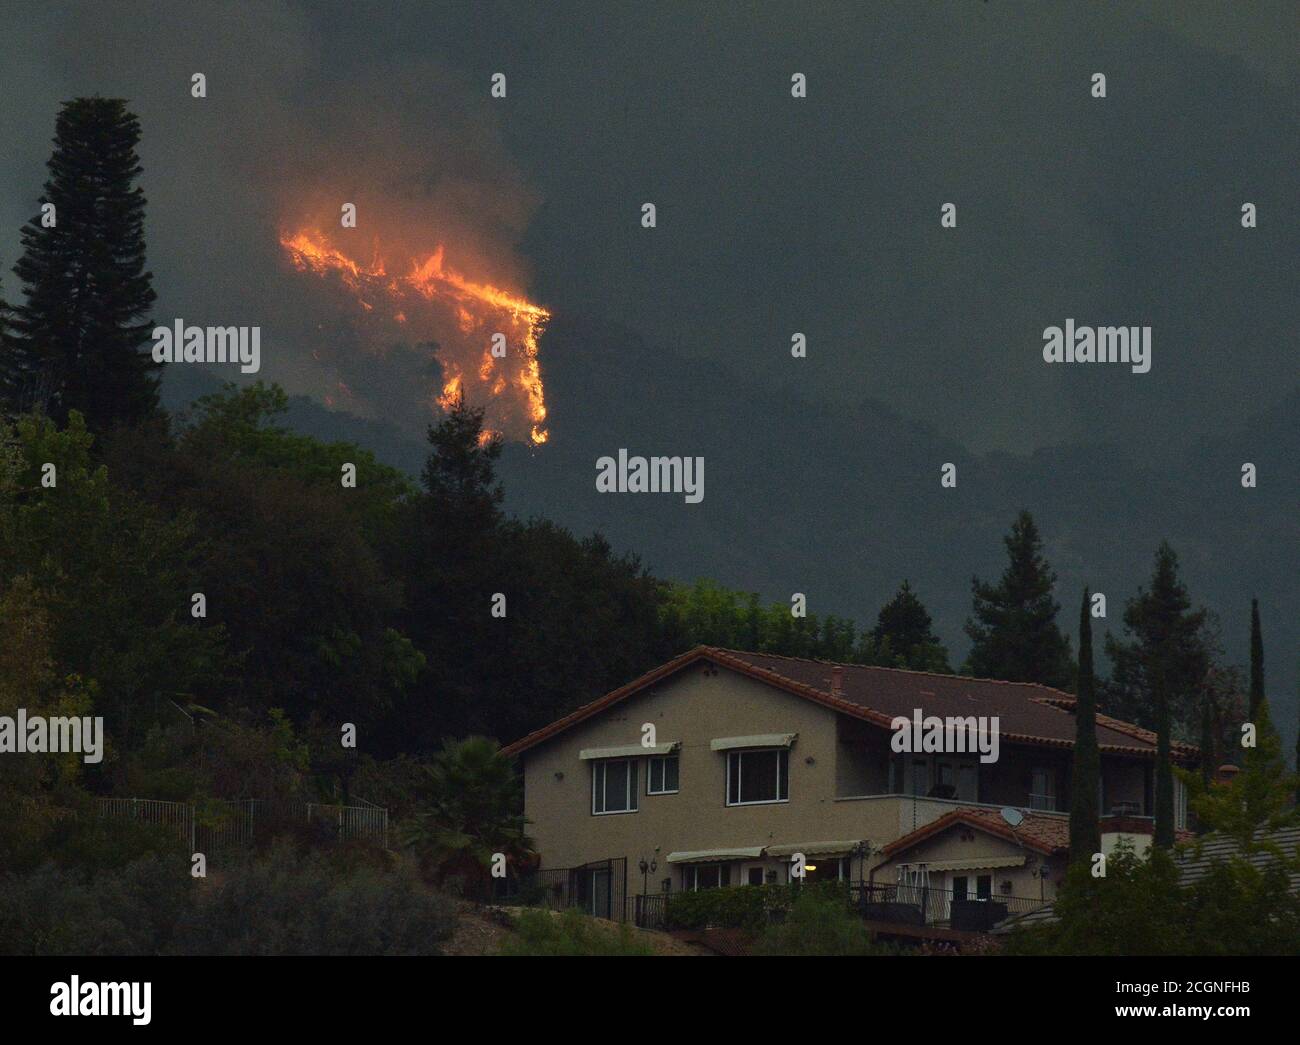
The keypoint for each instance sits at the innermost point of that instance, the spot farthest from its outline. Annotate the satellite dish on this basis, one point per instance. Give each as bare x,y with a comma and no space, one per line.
1014,817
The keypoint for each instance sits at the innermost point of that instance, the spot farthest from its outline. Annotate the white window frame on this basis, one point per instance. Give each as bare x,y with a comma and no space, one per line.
691,876
1180,805
599,768
738,754
663,775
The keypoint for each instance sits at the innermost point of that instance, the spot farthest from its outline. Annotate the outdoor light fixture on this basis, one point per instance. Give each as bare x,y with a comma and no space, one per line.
810,867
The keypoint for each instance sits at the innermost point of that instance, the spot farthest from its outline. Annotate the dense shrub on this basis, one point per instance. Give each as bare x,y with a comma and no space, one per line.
818,923
750,907
287,903
130,910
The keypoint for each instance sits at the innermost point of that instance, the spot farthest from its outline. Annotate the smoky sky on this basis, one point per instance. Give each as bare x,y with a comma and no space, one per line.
775,215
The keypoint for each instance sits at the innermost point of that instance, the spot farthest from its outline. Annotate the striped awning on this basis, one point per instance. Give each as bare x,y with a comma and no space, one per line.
814,848
702,856
629,751
758,740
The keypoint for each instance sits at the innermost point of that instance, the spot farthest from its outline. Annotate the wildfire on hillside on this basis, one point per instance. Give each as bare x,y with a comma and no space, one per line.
422,299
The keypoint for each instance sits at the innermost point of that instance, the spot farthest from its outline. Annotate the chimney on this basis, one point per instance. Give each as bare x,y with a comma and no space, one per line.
837,680
1225,773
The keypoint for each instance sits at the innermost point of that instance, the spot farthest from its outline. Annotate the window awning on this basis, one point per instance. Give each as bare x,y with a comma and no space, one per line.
701,856
629,750
759,740
971,863
813,849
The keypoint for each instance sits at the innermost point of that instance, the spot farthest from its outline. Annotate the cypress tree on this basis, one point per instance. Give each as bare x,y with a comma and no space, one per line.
1256,660
1164,811
1014,633
77,339
1085,830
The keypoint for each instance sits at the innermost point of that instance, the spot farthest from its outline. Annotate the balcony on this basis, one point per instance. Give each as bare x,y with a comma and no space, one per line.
924,906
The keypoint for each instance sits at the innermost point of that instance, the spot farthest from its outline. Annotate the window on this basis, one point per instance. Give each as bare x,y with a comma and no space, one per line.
661,776
705,876
920,776
968,783
758,776
1042,789
613,786
755,876
826,869
983,888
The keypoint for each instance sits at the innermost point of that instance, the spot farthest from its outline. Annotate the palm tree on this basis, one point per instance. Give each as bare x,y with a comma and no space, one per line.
471,808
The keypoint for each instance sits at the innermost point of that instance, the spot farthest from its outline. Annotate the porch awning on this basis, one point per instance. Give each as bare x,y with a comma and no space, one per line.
758,740
629,750
971,863
813,849
701,856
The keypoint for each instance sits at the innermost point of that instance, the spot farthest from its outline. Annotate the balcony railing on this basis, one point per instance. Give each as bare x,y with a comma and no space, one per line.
916,905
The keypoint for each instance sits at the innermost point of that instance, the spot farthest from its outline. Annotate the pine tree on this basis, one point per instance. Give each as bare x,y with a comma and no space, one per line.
1162,630
1085,830
905,624
1256,660
1014,632
77,339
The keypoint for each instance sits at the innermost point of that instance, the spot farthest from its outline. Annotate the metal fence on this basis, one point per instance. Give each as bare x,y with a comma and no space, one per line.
598,888
219,825
922,905
648,910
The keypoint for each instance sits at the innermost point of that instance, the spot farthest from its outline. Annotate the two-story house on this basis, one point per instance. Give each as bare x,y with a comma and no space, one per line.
718,767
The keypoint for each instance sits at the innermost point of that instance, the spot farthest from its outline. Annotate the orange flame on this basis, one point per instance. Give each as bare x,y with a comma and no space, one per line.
478,309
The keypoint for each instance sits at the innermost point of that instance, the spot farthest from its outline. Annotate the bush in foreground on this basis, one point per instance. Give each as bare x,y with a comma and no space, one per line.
540,933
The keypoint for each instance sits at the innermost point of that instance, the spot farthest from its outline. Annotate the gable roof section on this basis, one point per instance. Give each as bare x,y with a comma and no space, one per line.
1039,832
1029,713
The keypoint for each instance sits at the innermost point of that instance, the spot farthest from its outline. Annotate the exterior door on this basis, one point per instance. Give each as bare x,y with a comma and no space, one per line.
600,893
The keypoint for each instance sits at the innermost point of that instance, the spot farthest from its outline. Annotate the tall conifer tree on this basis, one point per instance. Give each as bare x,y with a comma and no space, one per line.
1085,830
1256,660
1014,632
78,337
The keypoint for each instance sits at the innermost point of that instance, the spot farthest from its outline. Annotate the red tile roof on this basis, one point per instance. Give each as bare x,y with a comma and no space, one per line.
1041,832
1044,832
1028,713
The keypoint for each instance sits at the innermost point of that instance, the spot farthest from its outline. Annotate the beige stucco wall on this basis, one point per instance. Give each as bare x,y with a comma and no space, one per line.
965,843
694,707
829,758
